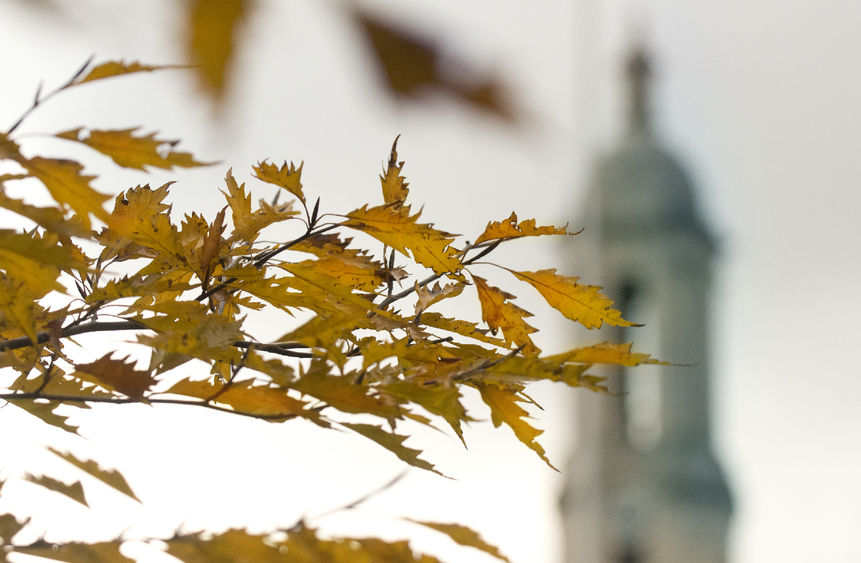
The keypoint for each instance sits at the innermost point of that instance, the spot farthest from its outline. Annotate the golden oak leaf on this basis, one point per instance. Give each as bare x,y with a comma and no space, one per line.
35,261
392,442
68,186
262,400
131,151
503,402
607,353
499,313
344,394
515,370
18,308
227,547
51,218
139,225
116,375
75,491
428,295
286,176
394,185
247,224
440,400
510,228
461,327
211,40
45,411
109,477
116,68
212,243
395,227
107,551
463,536
581,303
352,267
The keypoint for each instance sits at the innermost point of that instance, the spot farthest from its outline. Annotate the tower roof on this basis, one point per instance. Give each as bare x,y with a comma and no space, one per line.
640,187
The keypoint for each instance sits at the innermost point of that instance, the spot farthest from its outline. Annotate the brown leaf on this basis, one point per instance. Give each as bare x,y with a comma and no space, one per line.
109,477
463,536
118,68
116,375
395,189
75,491
392,442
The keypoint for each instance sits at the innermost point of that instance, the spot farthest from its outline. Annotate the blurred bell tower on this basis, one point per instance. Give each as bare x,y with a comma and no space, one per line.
643,485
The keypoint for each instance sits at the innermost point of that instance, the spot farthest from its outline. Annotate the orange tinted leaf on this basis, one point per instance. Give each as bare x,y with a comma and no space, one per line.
395,227
504,408
510,228
261,400
582,303
116,375
499,313
392,442
68,186
394,185
463,536
109,477
131,151
212,243
286,176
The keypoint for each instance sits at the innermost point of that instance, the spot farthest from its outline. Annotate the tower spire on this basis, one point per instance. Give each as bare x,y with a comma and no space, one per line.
639,71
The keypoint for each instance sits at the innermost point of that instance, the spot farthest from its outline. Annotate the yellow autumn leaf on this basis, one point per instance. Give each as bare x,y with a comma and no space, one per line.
581,303
139,226
397,228
344,394
75,491
131,151
510,228
392,442
110,69
68,186
34,261
211,38
109,477
247,224
51,218
428,295
464,536
607,353
287,176
394,185
504,408
499,312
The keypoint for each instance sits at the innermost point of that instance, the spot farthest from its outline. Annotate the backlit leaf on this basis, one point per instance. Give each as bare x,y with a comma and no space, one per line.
109,477
582,303
45,411
247,224
51,218
133,151
608,353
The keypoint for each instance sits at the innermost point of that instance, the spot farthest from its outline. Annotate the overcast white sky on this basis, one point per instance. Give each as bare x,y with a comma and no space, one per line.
758,98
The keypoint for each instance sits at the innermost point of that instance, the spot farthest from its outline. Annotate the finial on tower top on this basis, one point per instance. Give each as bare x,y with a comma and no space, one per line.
639,70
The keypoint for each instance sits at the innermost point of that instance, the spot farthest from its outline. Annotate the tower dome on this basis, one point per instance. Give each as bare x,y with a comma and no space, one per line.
640,187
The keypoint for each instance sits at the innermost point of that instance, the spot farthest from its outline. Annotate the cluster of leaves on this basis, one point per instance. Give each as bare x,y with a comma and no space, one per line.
368,339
